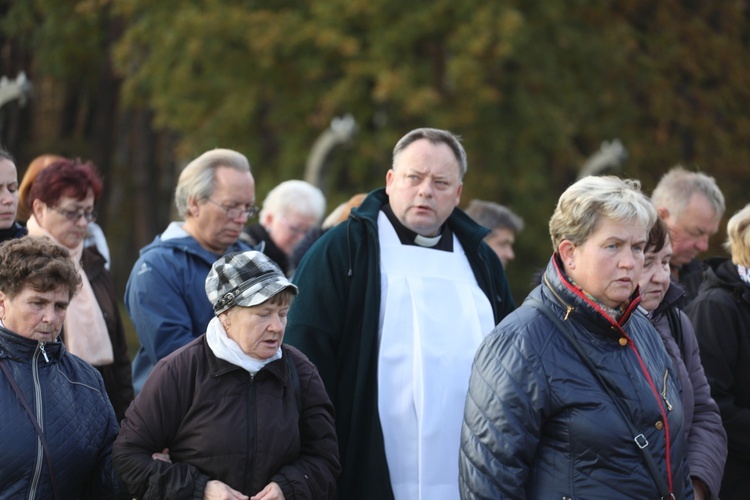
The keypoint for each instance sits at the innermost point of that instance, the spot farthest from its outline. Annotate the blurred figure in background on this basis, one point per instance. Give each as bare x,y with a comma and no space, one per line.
63,199
9,227
692,205
94,235
721,318
290,211
58,425
706,439
504,224
337,216
215,195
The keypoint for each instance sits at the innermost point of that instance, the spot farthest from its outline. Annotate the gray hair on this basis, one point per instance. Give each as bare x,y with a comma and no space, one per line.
494,216
197,179
435,136
583,204
296,196
677,186
738,237
5,155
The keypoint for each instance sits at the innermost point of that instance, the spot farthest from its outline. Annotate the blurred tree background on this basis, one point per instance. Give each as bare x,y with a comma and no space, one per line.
533,87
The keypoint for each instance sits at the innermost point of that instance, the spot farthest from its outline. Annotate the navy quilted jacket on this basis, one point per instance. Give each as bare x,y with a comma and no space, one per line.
68,397
537,424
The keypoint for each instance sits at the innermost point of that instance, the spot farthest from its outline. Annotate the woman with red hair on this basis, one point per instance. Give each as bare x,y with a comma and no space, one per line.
62,200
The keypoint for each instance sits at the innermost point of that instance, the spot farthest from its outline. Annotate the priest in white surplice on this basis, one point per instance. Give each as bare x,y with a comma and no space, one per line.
393,305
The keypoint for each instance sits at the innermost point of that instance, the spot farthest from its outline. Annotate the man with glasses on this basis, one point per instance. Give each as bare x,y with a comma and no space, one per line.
165,298
290,211
393,304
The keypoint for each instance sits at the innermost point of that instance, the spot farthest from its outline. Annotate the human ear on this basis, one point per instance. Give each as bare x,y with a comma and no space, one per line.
566,250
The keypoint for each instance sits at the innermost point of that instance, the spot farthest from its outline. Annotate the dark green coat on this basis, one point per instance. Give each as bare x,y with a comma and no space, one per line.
334,321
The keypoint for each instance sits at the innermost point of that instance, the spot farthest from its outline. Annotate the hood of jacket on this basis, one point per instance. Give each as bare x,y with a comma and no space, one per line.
176,237
720,272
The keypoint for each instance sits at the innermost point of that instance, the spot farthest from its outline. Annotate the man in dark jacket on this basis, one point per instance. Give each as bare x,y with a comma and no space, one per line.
692,206
392,307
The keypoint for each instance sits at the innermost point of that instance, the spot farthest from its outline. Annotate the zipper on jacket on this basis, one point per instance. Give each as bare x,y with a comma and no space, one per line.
251,437
664,390
38,408
44,353
568,308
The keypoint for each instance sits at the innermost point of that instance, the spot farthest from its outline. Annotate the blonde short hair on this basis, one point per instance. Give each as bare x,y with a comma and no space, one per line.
738,237
583,204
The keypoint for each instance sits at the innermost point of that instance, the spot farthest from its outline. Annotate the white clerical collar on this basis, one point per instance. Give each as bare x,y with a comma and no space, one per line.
427,241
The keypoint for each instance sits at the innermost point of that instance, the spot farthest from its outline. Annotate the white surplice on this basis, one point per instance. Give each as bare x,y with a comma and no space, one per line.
433,317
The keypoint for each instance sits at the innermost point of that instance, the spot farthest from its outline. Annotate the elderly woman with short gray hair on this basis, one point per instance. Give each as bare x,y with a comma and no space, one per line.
240,415
573,395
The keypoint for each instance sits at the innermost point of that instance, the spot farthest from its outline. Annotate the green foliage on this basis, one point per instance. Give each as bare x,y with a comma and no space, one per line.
533,87
67,36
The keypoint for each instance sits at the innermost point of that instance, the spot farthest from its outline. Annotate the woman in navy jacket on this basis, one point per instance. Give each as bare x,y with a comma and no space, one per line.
538,423
58,425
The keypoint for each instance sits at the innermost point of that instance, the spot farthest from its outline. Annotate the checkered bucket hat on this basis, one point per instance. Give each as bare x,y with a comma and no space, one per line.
244,279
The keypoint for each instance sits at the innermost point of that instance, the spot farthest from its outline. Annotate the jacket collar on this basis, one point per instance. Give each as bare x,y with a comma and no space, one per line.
671,299
176,237
558,289
463,226
19,348
219,367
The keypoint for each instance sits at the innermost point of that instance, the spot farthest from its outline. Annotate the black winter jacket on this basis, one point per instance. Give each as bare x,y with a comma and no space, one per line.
68,397
220,423
538,425
721,318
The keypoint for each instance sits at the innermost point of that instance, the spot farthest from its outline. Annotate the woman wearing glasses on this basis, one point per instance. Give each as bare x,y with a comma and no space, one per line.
62,200
94,236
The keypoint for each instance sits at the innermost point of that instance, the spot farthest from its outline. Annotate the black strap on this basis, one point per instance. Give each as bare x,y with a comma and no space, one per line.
638,438
19,395
675,327
295,380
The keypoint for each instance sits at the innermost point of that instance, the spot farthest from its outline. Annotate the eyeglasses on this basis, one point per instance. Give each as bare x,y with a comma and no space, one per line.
235,212
295,230
75,215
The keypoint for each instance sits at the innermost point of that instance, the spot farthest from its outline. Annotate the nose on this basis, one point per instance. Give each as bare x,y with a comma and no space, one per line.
661,275
425,188
6,198
277,323
628,260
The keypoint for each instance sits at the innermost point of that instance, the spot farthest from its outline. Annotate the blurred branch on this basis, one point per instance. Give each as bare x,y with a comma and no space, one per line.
341,131
610,155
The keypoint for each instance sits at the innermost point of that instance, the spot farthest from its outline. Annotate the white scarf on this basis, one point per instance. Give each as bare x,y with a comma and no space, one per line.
227,349
86,333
